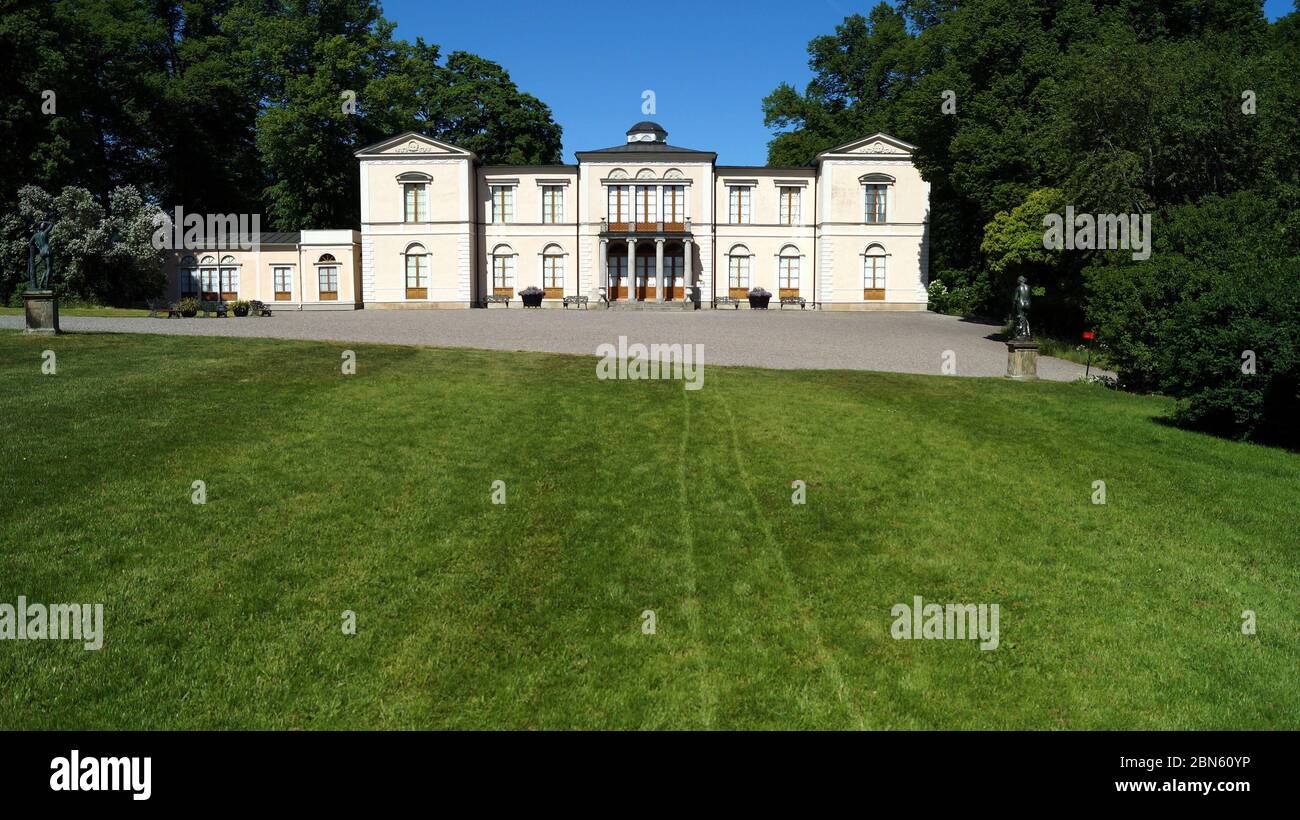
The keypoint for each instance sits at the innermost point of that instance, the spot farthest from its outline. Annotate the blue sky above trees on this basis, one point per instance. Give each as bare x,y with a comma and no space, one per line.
675,47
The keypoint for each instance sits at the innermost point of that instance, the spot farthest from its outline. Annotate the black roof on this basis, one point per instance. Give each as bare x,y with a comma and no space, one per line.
647,125
660,150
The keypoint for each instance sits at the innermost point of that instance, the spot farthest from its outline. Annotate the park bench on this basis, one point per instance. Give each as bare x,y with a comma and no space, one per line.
157,307
496,300
726,300
793,300
218,308
259,308
580,301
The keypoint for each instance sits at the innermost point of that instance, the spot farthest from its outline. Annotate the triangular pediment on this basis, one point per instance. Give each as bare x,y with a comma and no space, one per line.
878,144
413,144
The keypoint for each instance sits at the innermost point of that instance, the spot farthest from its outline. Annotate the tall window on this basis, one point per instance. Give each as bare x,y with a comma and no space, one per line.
553,274
283,277
789,205
788,270
738,204
873,273
415,198
208,281
675,204
503,274
189,277
417,273
503,203
738,272
327,273
229,278
620,209
552,203
875,202
645,204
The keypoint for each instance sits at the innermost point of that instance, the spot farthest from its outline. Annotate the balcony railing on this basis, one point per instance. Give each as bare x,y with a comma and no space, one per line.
645,227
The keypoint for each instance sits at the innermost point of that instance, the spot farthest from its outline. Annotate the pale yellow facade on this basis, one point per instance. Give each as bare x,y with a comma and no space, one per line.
643,221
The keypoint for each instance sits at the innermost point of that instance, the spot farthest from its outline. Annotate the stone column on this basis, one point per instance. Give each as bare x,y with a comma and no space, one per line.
659,270
602,265
687,272
631,269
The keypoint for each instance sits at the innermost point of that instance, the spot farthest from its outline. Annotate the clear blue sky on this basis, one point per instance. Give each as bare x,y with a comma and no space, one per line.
709,62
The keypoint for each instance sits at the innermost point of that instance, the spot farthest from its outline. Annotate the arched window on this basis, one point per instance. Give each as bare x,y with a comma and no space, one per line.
738,264
873,272
788,264
417,271
229,279
327,277
553,271
503,271
209,283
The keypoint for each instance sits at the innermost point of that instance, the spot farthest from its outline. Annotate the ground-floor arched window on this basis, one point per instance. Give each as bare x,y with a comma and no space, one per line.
503,271
738,262
873,273
553,271
417,271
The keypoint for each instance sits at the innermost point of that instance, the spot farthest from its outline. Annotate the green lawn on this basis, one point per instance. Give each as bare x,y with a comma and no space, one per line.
89,310
371,493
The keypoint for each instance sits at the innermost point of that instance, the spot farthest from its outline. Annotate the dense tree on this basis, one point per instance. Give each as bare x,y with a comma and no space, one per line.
234,106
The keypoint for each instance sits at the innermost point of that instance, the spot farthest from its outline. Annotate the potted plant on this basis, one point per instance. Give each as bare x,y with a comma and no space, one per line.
189,307
532,296
758,298
240,307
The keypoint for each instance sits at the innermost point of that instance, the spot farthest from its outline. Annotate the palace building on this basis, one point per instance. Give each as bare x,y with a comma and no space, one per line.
642,222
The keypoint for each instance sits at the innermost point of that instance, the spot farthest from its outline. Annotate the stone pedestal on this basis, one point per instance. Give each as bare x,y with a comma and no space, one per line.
42,309
1022,360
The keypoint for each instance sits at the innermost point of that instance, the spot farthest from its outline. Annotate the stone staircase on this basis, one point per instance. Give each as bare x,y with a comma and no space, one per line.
677,305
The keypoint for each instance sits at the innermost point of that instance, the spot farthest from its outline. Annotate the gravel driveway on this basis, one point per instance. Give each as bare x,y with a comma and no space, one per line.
895,342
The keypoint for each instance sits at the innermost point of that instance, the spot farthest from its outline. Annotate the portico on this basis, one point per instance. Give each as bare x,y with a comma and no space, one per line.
646,267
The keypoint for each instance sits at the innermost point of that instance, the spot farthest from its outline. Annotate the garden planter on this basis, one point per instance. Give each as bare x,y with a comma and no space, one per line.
189,314
759,302
241,311
532,299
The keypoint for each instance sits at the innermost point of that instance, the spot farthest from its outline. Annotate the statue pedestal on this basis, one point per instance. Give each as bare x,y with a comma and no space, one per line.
42,309
1022,360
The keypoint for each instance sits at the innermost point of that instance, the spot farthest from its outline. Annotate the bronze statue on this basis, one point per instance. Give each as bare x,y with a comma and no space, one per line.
38,250
1022,310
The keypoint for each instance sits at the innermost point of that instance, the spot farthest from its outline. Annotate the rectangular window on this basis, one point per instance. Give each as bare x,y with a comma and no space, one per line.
208,278
620,206
646,210
503,276
675,205
789,205
738,205
503,203
329,282
283,283
552,204
875,203
415,196
789,274
230,283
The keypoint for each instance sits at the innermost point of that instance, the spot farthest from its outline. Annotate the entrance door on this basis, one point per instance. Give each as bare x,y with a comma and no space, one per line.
645,278
617,281
674,273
